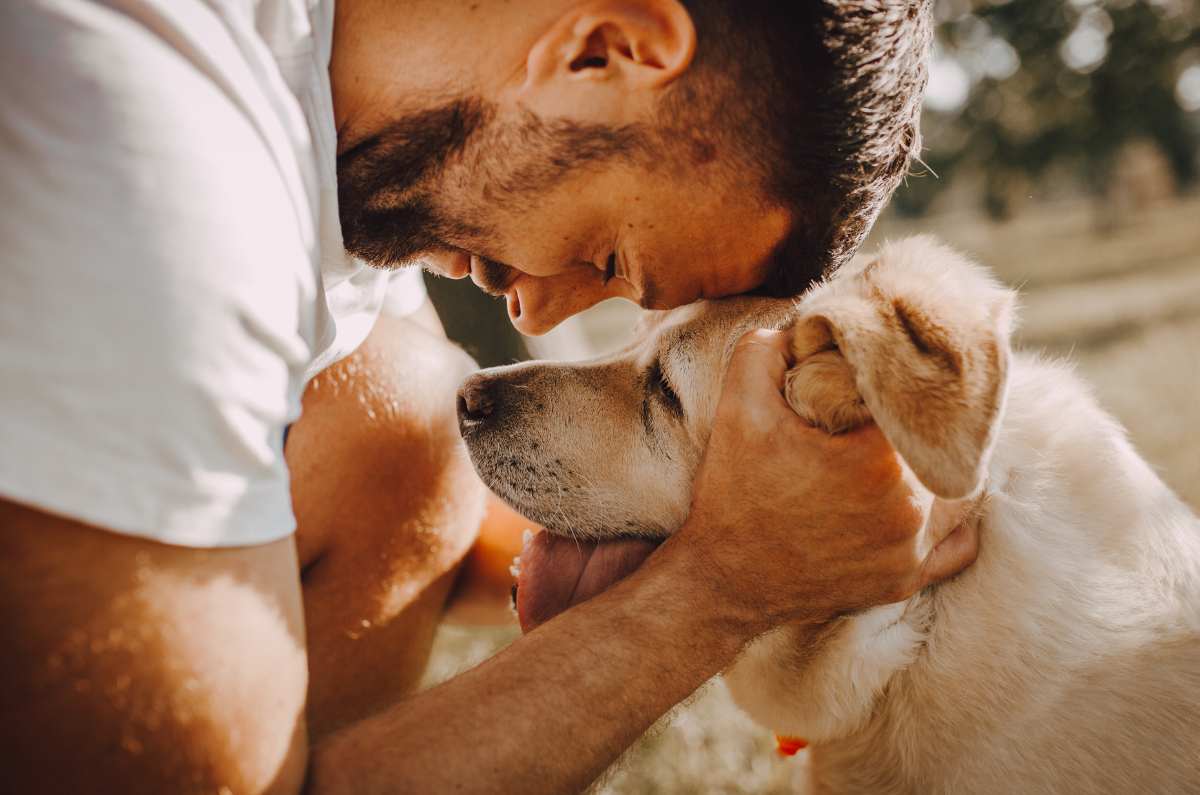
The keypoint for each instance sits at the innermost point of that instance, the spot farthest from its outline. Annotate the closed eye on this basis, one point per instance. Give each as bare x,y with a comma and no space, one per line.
610,269
658,384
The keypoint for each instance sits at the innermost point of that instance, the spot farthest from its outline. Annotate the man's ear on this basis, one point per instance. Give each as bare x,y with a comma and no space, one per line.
925,334
598,55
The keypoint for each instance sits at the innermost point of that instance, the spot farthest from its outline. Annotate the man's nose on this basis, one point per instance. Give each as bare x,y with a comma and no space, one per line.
536,306
478,401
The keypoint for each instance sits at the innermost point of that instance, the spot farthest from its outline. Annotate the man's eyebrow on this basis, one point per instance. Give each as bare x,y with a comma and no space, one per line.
650,291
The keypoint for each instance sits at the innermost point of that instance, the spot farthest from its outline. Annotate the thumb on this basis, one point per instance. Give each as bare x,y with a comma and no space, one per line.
760,357
952,554
757,367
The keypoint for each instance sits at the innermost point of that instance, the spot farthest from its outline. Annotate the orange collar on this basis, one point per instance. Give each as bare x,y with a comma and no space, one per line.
789,746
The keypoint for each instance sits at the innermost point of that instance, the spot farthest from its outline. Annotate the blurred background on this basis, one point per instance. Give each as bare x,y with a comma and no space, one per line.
1062,140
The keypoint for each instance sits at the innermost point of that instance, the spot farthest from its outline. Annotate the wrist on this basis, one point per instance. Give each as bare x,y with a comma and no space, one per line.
702,588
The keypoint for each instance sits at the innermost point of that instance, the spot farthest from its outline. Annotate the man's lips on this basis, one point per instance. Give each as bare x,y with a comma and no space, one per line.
557,572
494,278
497,279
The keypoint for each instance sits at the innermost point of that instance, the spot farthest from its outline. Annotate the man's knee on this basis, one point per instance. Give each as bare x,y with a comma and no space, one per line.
377,444
387,506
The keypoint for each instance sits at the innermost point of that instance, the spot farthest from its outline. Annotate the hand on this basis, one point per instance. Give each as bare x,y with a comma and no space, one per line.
792,524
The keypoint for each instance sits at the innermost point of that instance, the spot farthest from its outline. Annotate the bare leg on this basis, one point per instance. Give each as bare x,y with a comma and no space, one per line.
387,506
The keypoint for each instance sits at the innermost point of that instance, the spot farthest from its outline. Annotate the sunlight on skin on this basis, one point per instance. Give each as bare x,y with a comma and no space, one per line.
483,594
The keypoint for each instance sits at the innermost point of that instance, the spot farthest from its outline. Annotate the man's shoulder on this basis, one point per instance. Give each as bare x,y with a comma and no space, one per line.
148,118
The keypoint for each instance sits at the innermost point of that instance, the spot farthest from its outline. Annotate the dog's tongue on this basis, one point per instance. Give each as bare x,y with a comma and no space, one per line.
557,573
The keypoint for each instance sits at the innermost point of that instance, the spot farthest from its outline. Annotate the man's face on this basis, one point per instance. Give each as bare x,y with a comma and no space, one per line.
549,164
555,220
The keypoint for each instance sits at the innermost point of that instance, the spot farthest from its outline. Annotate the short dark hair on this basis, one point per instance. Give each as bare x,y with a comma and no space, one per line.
821,100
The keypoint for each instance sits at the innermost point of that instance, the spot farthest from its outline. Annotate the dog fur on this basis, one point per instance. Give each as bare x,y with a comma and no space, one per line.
1065,660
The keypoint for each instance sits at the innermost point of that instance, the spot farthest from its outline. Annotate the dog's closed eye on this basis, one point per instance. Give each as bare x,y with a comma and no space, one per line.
659,385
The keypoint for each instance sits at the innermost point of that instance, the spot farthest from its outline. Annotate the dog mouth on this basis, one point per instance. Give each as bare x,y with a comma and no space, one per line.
556,572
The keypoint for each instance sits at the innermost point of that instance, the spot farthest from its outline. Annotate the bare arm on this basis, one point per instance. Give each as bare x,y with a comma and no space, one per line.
549,713
131,666
560,704
134,667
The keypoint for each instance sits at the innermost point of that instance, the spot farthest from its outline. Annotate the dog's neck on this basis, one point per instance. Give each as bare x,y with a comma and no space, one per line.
826,687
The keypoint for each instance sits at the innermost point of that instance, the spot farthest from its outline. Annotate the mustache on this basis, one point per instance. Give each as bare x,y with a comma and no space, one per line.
493,277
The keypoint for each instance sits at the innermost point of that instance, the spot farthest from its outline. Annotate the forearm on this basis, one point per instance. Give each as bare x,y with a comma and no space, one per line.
554,709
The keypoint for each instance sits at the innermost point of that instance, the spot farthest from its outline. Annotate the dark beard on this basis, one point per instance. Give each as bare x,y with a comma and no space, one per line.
400,162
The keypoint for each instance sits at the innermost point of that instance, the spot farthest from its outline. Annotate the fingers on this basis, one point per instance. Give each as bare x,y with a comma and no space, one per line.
951,555
856,478
759,362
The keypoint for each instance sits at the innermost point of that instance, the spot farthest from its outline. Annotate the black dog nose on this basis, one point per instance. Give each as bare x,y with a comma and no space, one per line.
476,400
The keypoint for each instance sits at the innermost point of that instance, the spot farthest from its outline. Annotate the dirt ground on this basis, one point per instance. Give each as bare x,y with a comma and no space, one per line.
1124,305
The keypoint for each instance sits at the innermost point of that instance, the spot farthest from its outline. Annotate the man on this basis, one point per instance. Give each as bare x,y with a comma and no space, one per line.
175,275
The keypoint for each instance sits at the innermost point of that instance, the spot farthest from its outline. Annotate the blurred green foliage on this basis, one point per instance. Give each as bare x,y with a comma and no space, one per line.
1025,89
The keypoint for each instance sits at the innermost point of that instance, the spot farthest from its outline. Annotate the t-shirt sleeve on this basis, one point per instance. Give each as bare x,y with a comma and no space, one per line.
152,283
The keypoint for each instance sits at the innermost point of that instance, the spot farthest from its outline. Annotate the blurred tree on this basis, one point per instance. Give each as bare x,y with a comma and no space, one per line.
1022,89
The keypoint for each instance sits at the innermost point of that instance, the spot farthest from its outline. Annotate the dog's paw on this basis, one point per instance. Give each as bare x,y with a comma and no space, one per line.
917,340
820,386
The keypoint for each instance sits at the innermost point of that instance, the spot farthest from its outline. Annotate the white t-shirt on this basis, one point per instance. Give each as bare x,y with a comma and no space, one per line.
172,263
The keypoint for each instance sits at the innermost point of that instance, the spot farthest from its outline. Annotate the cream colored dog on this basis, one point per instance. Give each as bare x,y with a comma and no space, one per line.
1066,660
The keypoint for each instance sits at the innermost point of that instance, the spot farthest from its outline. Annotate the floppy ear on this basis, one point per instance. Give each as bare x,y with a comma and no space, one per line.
917,339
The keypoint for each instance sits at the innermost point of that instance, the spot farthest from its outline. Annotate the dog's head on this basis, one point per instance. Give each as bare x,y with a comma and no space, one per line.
916,339
609,446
